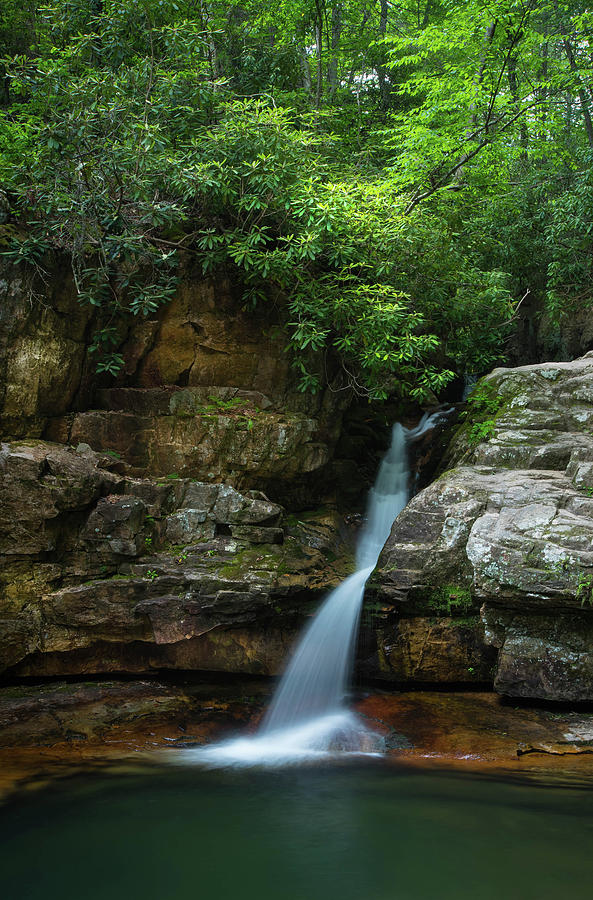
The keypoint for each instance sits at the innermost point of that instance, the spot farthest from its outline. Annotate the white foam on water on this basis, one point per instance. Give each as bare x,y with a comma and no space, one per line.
340,735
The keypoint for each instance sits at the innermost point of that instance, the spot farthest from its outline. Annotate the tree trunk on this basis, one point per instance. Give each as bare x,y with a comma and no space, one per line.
4,87
426,14
543,91
212,51
514,89
306,70
336,31
319,49
488,38
568,49
381,74
365,17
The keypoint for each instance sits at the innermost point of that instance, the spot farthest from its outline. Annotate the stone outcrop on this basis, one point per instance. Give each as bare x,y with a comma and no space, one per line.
136,531
206,433
43,347
102,572
504,540
206,391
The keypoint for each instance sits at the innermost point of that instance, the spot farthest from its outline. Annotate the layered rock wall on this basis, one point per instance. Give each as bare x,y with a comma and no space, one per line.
504,539
144,523
102,572
206,390
134,531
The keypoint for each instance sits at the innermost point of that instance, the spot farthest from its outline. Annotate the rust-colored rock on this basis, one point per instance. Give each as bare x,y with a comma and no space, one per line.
480,729
94,712
435,650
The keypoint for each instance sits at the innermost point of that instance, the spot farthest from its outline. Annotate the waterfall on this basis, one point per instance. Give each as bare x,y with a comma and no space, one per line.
469,383
307,716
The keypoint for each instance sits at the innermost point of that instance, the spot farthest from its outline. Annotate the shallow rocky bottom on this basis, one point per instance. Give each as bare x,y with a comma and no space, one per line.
57,729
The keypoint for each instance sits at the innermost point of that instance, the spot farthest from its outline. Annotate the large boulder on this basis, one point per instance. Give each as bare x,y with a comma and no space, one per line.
506,538
533,417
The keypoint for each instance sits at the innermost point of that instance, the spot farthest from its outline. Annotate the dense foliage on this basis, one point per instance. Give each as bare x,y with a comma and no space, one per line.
395,176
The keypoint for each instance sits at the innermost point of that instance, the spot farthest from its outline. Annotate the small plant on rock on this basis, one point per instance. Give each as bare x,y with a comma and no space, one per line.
482,406
584,591
481,431
484,401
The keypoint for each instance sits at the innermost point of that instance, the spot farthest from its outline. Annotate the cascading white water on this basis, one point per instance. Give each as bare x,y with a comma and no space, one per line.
307,716
316,678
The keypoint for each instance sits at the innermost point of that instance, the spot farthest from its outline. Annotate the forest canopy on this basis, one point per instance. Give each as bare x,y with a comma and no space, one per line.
398,177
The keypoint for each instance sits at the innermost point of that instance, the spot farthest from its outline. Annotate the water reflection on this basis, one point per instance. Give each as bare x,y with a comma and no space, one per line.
298,834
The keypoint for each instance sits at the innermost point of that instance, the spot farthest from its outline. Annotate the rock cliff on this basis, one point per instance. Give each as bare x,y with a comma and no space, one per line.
134,531
206,390
500,547
103,572
159,522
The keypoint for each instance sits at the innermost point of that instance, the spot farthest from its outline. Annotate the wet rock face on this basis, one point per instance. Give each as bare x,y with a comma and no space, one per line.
512,539
45,715
101,572
135,715
428,650
544,657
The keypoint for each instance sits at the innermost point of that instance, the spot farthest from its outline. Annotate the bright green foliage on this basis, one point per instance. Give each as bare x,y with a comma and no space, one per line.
584,591
483,404
481,431
483,401
394,178
450,600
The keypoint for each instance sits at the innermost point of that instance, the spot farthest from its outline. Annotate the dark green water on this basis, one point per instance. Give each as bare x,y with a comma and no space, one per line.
371,833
